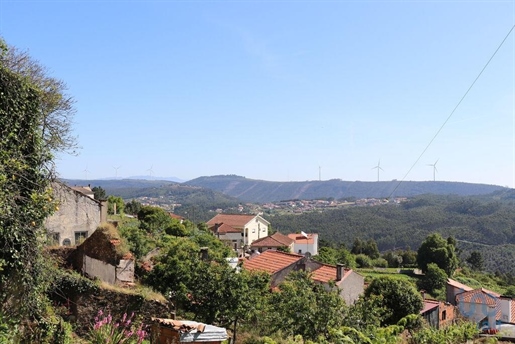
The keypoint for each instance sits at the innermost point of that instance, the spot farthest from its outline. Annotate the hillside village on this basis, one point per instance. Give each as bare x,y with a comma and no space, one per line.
93,247
228,259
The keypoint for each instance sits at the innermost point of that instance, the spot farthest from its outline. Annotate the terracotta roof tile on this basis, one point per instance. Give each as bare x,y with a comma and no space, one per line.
236,221
225,228
458,285
300,239
429,305
477,296
275,240
175,216
271,261
324,274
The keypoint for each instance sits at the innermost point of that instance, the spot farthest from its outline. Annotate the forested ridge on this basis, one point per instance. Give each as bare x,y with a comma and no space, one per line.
262,191
485,224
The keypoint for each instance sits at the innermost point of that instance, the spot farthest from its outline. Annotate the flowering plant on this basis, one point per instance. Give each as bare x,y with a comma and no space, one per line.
106,331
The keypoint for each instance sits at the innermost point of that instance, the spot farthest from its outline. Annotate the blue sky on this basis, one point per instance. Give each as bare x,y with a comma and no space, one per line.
274,89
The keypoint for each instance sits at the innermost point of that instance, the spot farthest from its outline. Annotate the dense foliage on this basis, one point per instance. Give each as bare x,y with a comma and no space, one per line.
33,125
437,250
482,224
399,298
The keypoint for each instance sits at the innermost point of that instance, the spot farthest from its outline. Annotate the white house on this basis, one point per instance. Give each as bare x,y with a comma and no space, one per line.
78,216
239,231
303,243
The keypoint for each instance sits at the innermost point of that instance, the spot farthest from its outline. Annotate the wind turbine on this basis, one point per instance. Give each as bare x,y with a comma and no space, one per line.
378,168
86,171
116,172
150,171
434,169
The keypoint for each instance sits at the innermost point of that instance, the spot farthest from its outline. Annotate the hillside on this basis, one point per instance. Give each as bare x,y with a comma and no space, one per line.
261,191
168,192
483,224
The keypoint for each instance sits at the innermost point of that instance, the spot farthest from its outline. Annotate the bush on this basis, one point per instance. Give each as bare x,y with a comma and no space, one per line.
380,263
363,261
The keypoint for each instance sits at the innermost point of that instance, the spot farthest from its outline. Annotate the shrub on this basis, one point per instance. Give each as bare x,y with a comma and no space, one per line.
380,263
105,330
363,261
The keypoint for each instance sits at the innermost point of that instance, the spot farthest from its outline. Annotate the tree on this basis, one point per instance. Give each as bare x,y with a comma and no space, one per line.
132,207
435,249
99,192
115,205
26,171
399,297
55,107
303,307
434,279
153,219
475,260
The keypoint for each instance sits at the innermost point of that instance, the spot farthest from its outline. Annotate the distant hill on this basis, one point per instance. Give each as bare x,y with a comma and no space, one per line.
484,223
261,191
170,192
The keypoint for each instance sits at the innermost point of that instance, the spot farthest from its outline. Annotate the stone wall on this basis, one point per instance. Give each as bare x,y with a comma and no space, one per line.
77,214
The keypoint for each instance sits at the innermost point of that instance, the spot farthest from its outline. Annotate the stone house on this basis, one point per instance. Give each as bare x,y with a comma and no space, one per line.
438,314
280,264
238,231
77,217
103,256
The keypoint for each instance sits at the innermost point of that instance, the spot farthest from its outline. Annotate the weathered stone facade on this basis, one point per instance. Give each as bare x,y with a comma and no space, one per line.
77,217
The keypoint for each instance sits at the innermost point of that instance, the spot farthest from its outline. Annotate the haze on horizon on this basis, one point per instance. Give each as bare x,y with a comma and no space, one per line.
279,90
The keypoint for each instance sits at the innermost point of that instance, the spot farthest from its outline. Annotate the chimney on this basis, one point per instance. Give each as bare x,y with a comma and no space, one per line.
339,271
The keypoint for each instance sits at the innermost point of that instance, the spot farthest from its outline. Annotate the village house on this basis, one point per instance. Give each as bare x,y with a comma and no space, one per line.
238,231
438,314
273,242
303,242
279,264
482,306
78,215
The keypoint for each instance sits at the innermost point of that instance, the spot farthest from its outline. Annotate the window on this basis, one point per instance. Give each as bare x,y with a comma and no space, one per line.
253,230
67,242
80,237
300,251
444,315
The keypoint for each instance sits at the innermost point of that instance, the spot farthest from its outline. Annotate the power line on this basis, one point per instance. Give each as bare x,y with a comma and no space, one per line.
452,112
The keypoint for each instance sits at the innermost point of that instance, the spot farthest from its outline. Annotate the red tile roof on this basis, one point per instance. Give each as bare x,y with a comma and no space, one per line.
275,240
477,296
228,229
324,274
235,221
175,216
458,285
271,261
429,305
300,239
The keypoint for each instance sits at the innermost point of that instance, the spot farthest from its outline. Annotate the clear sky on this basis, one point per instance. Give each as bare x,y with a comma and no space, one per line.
274,90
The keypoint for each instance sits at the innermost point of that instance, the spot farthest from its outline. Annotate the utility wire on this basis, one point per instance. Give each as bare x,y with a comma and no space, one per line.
452,112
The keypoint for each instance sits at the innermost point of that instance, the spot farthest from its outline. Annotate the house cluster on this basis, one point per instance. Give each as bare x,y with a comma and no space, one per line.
279,254
80,215
489,310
